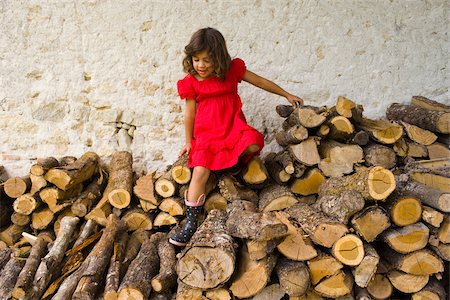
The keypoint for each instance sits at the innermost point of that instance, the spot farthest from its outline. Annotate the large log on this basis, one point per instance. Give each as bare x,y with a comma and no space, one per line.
429,196
65,177
136,283
276,197
407,239
296,245
380,287
5,255
293,135
349,250
9,275
341,207
26,276
167,276
322,229
252,276
53,259
370,222
365,271
429,104
305,152
407,283
98,259
11,234
121,178
309,184
338,159
419,135
233,190
436,121
293,277
134,244
244,221
337,285
208,260
375,183
380,155
419,262
382,131
112,281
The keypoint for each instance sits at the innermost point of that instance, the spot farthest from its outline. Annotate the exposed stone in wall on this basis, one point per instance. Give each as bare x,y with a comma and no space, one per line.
100,76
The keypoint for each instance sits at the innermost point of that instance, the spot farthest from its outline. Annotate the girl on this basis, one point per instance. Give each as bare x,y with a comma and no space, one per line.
217,134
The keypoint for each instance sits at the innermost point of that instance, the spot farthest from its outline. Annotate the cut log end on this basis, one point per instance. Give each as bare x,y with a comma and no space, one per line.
130,294
181,174
381,183
205,268
406,211
349,250
119,198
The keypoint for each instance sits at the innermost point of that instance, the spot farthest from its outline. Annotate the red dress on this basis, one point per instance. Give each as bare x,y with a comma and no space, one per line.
221,132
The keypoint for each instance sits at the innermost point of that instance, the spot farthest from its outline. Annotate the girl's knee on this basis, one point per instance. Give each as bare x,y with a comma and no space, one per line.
200,173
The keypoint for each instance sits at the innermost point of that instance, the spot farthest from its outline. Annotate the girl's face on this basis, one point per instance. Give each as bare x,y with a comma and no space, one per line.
203,64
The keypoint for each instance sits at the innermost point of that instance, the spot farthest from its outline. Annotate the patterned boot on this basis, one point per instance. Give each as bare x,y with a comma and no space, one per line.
193,211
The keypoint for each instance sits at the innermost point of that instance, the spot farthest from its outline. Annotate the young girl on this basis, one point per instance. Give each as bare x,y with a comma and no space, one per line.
217,134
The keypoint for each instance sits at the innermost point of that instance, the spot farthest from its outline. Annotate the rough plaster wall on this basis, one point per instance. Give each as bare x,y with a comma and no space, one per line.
75,75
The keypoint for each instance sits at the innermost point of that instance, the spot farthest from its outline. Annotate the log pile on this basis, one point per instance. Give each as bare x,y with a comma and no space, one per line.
348,208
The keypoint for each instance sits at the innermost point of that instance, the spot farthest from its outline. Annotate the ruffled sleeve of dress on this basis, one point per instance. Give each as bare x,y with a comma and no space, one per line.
239,68
186,89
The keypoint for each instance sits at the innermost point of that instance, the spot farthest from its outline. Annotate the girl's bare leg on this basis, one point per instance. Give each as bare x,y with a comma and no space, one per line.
198,182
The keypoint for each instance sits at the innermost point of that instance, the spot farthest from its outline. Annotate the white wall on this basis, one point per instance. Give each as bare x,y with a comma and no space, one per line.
71,70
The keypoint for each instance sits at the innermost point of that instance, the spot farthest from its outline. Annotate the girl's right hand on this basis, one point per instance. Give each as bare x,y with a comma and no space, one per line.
186,149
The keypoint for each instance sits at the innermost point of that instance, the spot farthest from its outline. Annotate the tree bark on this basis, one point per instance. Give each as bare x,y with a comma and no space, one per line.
98,259
137,281
208,260
244,221
436,121
275,197
65,177
252,276
26,276
322,230
167,276
341,207
296,245
54,257
375,183
113,278
9,275
121,178
293,277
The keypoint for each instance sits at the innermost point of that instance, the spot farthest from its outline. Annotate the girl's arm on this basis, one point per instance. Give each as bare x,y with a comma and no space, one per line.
189,118
271,87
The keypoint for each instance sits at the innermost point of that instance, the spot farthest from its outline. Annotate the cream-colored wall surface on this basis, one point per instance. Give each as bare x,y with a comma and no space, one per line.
100,75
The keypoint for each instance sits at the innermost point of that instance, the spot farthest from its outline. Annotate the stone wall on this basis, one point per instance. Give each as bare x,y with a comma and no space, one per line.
99,75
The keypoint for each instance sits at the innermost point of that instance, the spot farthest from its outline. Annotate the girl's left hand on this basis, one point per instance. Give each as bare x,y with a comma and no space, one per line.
294,100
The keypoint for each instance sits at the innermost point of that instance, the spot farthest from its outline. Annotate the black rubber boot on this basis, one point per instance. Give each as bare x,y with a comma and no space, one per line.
193,212
182,237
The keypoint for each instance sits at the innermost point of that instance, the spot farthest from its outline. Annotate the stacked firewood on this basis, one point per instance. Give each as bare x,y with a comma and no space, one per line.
350,208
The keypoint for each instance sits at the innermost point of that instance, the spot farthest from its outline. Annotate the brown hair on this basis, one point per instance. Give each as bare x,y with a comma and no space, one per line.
212,41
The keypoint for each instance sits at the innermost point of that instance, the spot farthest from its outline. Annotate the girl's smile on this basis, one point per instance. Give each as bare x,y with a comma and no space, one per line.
203,64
